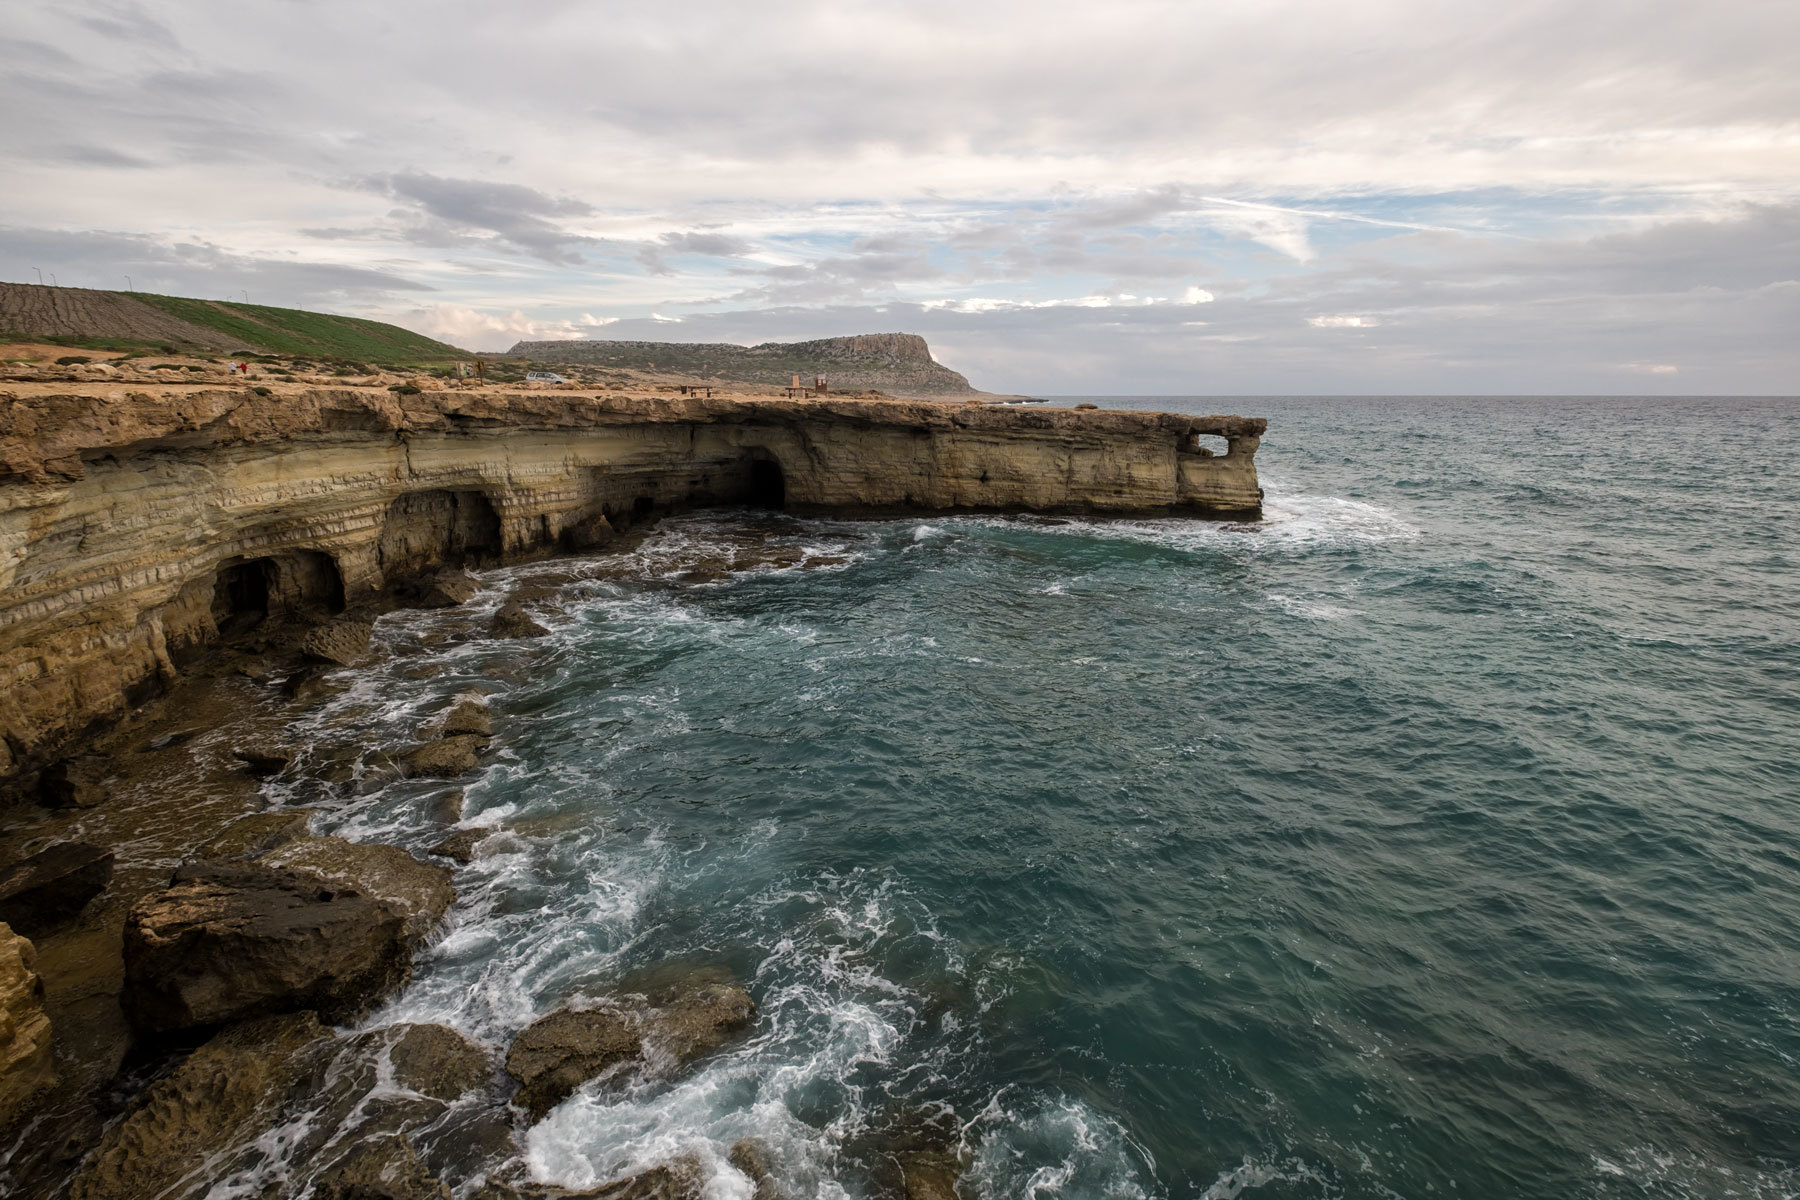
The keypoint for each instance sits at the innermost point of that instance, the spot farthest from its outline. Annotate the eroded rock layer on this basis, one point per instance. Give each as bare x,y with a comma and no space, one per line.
134,528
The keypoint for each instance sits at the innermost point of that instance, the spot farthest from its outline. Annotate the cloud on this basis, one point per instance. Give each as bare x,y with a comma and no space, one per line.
476,330
518,217
1342,322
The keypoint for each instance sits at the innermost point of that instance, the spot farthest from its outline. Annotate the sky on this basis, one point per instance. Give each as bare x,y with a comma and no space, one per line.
1128,197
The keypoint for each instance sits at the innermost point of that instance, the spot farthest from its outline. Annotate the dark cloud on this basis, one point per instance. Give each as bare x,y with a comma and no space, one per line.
516,216
707,243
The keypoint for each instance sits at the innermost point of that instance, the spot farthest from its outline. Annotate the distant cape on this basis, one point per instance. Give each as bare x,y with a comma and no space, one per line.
896,363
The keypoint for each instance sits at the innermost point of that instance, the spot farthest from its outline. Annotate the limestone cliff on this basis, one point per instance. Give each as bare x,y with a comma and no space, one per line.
133,526
899,364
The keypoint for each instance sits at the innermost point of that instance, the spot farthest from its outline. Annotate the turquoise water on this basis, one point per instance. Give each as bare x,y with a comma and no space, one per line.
1438,835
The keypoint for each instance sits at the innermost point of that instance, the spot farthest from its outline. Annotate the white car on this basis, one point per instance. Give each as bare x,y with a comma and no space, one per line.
544,377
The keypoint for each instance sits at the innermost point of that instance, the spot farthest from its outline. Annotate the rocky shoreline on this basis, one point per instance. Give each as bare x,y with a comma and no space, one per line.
193,1008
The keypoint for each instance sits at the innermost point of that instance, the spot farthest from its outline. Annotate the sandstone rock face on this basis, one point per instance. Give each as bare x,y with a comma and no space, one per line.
135,525
27,1069
49,889
317,923
383,1168
560,1052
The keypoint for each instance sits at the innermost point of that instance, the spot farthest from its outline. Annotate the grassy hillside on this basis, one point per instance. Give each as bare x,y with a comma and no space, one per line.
898,363
296,332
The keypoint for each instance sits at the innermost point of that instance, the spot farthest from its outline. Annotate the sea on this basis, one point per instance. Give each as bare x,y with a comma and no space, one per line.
1435,835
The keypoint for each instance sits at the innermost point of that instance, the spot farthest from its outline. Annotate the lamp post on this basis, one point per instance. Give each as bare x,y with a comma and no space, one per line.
40,272
128,286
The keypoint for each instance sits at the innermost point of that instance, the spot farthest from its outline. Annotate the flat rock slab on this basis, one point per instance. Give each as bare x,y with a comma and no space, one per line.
255,835
341,642
316,923
49,889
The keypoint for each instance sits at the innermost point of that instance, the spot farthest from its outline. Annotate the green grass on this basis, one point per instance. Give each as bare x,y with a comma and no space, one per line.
297,333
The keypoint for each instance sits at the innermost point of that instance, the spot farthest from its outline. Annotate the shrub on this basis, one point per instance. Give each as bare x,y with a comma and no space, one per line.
262,391
73,360
403,389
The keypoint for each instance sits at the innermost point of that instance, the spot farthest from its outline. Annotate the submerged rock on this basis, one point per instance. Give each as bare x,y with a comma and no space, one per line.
928,1174
255,835
460,846
447,757
317,923
78,782
383,1168
27,1065
49,889
679,1180
341,642
265,759
513,621
747,1156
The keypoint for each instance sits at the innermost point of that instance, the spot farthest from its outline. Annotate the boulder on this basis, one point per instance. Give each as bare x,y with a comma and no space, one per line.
49,889
255,835
265,759
447,757
341,642
317,923
512,621
225,1093
460,846
27,1065
468,716
447,589
79,782
422,891
566,1049
560,1052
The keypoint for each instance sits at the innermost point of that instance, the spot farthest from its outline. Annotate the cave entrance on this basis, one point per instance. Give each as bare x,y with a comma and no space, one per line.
241,594
767,485
426,530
